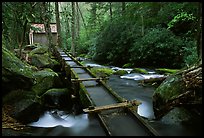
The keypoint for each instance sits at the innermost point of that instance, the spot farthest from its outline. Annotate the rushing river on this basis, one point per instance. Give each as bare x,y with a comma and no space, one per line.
127,86
61,123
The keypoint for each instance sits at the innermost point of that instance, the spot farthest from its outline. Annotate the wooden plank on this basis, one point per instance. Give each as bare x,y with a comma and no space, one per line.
81,67
129,104
88,79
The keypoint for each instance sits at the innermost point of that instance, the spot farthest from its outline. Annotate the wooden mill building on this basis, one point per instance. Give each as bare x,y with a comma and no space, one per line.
38,35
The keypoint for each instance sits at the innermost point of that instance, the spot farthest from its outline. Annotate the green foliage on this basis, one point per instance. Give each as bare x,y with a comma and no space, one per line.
183,16
113,43
190,54
159,47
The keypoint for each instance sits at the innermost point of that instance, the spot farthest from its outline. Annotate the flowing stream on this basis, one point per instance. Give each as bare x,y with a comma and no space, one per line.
60,123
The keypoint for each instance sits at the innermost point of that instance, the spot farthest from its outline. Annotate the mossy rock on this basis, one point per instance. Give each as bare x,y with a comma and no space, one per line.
22,102
102,72
30,47
166,71
139,70
120,72
39,50
13,64
43,61
177,116
46,79
169,89
127,65
16,74
57,98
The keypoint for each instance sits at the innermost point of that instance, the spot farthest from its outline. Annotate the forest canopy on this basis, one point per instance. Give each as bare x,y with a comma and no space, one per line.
141,34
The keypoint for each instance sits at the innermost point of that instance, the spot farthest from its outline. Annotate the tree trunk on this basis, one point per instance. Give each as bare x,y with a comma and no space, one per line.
123,8
110,8
58,25
78,21
73,48
22,38
142,18
93,12
46,20
82,19
199,37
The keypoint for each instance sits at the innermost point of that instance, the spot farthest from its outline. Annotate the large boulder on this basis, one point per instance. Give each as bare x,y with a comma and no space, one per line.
183,89
45,80
41,58
57,98
15,73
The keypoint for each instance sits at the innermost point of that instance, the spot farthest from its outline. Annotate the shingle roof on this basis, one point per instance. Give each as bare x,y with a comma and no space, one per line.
41,27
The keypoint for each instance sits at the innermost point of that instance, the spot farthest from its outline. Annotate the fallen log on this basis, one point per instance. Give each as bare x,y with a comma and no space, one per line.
153,80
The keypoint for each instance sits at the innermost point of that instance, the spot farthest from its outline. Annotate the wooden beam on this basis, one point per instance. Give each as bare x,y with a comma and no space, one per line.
88,79
81,67
129,104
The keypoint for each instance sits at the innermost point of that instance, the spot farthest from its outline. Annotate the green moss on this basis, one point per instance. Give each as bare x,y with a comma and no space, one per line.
120,72
39,50
13,64
84,98
139,70
43,60
45,79
171,87
167,71
102,71
128,65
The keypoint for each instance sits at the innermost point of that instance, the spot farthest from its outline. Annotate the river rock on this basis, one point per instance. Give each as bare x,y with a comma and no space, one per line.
57,98
183,89
169,89
120,72
40,58
45,80
16,74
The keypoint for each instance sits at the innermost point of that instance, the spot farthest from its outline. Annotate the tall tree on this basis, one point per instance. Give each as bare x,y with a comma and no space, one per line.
123,8
58,24
77,23
199,38
46,20
111,12
73,46
82,17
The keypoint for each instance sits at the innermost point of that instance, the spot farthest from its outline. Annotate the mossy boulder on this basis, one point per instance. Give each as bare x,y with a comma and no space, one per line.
120,72
177,116
39,50
15,73
139,70
21,103
169,89
183,89
45,80
102,72
57,98
41,58
43,61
